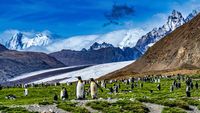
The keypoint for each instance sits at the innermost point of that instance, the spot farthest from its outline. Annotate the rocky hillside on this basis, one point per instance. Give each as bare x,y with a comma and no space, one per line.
178,50
14,63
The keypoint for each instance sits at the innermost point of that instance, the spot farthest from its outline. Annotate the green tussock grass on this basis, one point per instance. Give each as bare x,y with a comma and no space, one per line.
172,110
125,106
72,107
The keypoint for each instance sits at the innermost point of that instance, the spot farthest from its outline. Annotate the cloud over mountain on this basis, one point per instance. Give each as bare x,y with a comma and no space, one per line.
116,38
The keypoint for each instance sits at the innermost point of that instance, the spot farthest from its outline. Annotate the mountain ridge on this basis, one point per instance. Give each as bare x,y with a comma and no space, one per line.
96,56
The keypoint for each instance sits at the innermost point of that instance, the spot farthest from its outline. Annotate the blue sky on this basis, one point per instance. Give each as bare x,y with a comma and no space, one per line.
83,17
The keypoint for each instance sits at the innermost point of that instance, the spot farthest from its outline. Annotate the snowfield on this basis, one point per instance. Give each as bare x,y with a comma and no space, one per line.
86,73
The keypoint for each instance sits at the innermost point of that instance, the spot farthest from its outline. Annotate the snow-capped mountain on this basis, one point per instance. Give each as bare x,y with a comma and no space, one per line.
174,21
97,46
20,41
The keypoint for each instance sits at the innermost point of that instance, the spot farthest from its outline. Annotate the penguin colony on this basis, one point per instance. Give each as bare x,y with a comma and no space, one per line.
80,91
131,82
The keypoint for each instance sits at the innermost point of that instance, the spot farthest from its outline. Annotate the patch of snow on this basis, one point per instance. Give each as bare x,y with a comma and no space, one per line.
151,44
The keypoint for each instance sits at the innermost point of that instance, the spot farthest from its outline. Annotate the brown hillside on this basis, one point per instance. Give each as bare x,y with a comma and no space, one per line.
178,50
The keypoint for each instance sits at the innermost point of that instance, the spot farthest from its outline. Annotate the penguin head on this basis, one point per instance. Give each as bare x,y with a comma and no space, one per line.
79,77
91,79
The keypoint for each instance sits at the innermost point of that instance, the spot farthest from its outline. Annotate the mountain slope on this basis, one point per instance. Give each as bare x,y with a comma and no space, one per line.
178,50
14,63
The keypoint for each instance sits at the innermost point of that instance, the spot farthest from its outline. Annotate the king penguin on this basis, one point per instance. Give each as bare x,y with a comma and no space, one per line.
93,88
80,93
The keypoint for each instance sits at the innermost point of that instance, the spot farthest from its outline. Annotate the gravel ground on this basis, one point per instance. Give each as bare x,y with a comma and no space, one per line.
42,108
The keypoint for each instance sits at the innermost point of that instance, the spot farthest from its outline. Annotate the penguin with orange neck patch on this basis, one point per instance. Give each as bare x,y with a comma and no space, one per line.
80,90
94,88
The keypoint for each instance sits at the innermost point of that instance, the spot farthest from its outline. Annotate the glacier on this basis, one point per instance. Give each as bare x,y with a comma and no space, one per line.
95,72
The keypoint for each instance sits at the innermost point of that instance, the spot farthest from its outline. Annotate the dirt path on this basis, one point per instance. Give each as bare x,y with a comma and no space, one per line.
194,110
154,108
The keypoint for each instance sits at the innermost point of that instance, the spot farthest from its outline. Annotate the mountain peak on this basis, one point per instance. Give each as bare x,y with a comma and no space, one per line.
97,46
176,13
175,20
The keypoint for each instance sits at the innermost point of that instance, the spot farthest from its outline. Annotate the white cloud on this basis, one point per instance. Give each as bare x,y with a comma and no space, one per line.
116,38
